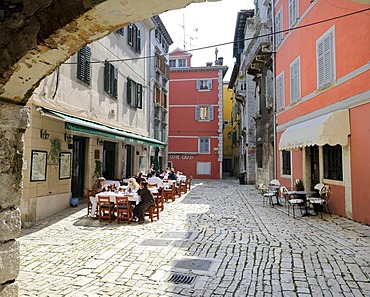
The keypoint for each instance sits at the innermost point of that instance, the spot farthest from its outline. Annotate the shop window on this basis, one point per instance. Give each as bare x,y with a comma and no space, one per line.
333,168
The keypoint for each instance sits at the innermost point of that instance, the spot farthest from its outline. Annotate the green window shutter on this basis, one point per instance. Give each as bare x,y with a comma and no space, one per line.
80,64
106,76
129,91
115,82
139,96
87,64
129,34
138,41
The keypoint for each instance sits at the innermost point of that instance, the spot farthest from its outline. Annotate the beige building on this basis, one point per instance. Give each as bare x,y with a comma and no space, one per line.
96,116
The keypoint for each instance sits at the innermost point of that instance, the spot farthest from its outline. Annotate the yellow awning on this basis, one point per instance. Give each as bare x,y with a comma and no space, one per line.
332,128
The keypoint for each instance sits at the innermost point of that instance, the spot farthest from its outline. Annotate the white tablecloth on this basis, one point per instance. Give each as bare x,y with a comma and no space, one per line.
112,196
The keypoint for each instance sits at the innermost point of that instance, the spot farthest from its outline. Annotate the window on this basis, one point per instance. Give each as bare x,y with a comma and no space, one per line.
293,12
121,31
333,168
110,79
164,132
134,38
134,94
83,64
280,100
172,63
204,84
204,145
181,63
204,168
279,26
259,154
285,157
295,81
156,130
204,113
325,59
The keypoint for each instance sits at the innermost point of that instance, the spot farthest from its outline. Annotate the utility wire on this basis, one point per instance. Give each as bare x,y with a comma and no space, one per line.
245,39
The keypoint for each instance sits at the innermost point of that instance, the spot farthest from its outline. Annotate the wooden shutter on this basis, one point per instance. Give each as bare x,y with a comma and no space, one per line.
87,64
197,113
106,76
129,34
211,112
115,81
139,92
129,91
138,41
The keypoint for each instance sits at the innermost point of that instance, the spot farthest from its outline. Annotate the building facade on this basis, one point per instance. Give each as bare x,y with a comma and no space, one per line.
195,141
92,118
227,130
323,100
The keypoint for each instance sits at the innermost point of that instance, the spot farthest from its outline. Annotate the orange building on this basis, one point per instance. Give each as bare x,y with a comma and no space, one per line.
323,100
195,138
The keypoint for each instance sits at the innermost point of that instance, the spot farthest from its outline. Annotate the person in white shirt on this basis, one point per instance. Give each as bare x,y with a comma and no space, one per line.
154,179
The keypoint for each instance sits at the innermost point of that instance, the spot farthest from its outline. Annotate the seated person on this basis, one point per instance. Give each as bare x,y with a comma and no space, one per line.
133,186
147,200
98,186
172,175
154,179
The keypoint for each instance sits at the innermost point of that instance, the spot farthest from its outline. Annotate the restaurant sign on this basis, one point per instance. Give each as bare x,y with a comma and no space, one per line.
181,157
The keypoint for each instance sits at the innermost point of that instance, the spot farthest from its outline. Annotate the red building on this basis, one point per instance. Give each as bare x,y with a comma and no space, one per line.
323,100
195,117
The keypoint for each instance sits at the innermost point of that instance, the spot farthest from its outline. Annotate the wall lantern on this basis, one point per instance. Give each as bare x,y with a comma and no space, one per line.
68,137
100,142
44,134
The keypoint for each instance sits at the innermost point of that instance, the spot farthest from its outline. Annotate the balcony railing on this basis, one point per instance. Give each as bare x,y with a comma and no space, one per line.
261,44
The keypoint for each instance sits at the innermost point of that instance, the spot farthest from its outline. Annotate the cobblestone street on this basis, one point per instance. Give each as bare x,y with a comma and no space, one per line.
217,240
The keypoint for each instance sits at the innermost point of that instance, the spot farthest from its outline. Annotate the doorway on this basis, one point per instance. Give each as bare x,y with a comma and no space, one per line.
78,166
109,160
129,160
314,165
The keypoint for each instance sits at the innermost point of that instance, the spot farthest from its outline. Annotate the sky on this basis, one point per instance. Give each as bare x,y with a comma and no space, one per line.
206,24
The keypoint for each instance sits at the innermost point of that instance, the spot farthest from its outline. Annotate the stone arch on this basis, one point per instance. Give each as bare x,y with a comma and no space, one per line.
36,36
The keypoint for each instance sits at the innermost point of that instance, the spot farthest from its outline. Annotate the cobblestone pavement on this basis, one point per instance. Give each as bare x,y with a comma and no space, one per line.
218,240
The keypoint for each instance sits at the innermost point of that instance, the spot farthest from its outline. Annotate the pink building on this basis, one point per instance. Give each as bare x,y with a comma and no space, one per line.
322,99
195,117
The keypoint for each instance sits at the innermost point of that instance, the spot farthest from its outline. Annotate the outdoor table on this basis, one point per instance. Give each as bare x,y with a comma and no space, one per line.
306,214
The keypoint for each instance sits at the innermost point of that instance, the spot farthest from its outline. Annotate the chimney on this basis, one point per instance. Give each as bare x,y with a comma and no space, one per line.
220,61
208,64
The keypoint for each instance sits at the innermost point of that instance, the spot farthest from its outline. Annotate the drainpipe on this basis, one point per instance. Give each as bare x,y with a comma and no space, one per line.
274,83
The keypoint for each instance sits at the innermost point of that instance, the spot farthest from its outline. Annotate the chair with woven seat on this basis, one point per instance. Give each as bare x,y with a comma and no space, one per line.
267,194
123,209
183,186
320,203
285,194
105,208
295,201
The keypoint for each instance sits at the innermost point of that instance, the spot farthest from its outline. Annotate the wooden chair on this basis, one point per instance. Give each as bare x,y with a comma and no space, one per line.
183,186
89,205
153,211
176,190
167,194
123,209
188,181
105,208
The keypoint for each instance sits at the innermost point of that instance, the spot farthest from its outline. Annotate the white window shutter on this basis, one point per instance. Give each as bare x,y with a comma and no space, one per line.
210,84
197,113
211,112
320,64
198,84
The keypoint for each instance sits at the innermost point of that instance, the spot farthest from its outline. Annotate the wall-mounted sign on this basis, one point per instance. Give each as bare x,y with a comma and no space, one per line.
181,157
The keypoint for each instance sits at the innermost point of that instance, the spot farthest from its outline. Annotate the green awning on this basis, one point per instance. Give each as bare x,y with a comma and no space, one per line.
88,127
